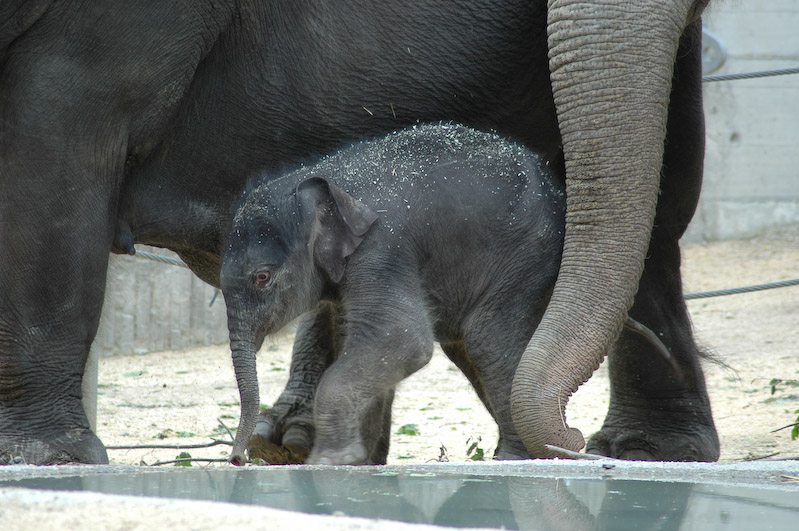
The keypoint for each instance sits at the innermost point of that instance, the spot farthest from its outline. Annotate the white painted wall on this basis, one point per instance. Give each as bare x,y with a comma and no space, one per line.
752,152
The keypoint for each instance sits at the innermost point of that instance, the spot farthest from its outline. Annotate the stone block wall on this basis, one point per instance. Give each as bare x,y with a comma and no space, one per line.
150,306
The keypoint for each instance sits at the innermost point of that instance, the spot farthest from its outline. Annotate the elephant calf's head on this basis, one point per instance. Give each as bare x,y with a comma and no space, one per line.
286,243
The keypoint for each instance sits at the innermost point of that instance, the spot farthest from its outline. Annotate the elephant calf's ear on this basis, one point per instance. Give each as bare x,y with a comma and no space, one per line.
341,225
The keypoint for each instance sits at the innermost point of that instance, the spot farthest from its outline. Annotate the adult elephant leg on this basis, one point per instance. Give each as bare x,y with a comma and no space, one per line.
53,292
72,106
611,69
655,413
52,282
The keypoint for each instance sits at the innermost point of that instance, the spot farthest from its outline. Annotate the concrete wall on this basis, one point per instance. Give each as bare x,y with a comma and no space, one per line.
752,125
150,306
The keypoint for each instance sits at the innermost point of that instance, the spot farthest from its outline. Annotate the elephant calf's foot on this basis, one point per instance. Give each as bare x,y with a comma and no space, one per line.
656,440
352,454
282,439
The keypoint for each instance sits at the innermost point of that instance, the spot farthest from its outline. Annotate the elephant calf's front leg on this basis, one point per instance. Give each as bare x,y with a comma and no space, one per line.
284,433
352,411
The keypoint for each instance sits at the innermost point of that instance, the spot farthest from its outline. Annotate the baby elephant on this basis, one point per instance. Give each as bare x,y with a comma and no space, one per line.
433,233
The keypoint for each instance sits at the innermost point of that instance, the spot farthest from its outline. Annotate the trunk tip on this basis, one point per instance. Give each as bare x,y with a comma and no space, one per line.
237,459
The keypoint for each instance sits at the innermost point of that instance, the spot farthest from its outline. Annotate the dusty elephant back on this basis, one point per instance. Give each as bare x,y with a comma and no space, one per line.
475,214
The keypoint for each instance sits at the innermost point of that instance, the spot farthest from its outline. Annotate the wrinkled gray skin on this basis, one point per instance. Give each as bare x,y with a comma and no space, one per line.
435,233
139,122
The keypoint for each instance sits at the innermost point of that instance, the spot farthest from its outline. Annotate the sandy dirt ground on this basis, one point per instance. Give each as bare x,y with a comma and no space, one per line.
182,398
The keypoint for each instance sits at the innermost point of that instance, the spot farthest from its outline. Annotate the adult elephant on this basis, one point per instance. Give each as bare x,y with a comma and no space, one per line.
142,123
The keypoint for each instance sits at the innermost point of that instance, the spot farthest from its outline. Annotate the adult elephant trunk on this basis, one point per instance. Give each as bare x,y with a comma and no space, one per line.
611,66
244,346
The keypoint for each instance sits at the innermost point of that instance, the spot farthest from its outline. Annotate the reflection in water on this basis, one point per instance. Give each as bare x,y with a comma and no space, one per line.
540,503
455,500
666,512
479,502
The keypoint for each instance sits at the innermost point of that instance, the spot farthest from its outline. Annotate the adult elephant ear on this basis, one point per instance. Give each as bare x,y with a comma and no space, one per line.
340,226
611,67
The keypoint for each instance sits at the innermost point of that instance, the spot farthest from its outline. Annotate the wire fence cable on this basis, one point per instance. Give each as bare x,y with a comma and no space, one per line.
751,75
163,259
744,289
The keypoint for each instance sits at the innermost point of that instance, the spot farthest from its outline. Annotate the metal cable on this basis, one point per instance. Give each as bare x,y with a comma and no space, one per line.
744,289
162,259
751,75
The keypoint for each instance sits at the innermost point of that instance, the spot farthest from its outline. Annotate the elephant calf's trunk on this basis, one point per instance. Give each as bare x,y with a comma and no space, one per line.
247,380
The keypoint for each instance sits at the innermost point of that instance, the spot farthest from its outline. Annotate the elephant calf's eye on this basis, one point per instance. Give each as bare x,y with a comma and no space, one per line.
262,278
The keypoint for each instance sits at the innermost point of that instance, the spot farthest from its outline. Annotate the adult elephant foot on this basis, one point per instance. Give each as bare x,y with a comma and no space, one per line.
283,434
73,446
47,433
657,411
656,432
